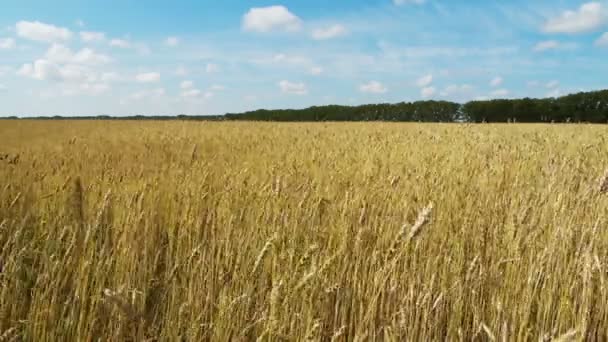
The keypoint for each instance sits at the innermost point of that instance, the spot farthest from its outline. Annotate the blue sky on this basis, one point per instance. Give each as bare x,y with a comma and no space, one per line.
209,57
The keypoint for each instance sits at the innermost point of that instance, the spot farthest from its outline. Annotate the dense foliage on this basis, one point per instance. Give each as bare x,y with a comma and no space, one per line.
581,107
425,111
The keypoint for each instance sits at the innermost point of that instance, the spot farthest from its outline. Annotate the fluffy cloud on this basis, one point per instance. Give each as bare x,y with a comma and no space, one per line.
58,53
427,92
602,40
273,18
74,71
186,84
88,36
120,43
373,87
552,84
424,81
41,32
588,17
45,70
172,41
330,32
293,88
7,43
148,77
496,81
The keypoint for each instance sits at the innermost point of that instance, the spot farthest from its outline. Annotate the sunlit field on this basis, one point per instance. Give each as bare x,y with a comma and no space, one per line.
134,231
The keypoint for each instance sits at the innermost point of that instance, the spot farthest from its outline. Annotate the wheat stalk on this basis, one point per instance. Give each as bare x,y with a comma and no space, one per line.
603,184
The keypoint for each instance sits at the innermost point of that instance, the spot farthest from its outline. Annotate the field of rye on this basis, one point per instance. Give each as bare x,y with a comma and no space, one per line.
175,231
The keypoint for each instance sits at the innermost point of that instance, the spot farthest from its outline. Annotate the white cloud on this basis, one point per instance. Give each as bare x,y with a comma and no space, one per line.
186,84
428,92
273,18
75,69
602,40
196,93
40,69
496,81
330,32
373,87
61,54
89,36
41,32
90,57
500,93
316,71
424,81
46,70
408,2
552,85
546,45
7,43
2,87
293,88
588,17
172,41
212,68
120,43
148,77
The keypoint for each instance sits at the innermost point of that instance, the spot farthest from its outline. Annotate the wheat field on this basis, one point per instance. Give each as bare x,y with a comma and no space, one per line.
216,231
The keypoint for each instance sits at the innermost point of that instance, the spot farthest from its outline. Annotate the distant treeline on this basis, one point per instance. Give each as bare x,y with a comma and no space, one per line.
426,111
582,107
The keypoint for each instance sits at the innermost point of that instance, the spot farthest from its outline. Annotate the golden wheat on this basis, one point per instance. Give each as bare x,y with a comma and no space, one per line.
194,231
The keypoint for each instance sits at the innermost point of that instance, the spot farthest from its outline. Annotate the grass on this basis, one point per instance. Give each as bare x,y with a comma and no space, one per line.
336,232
